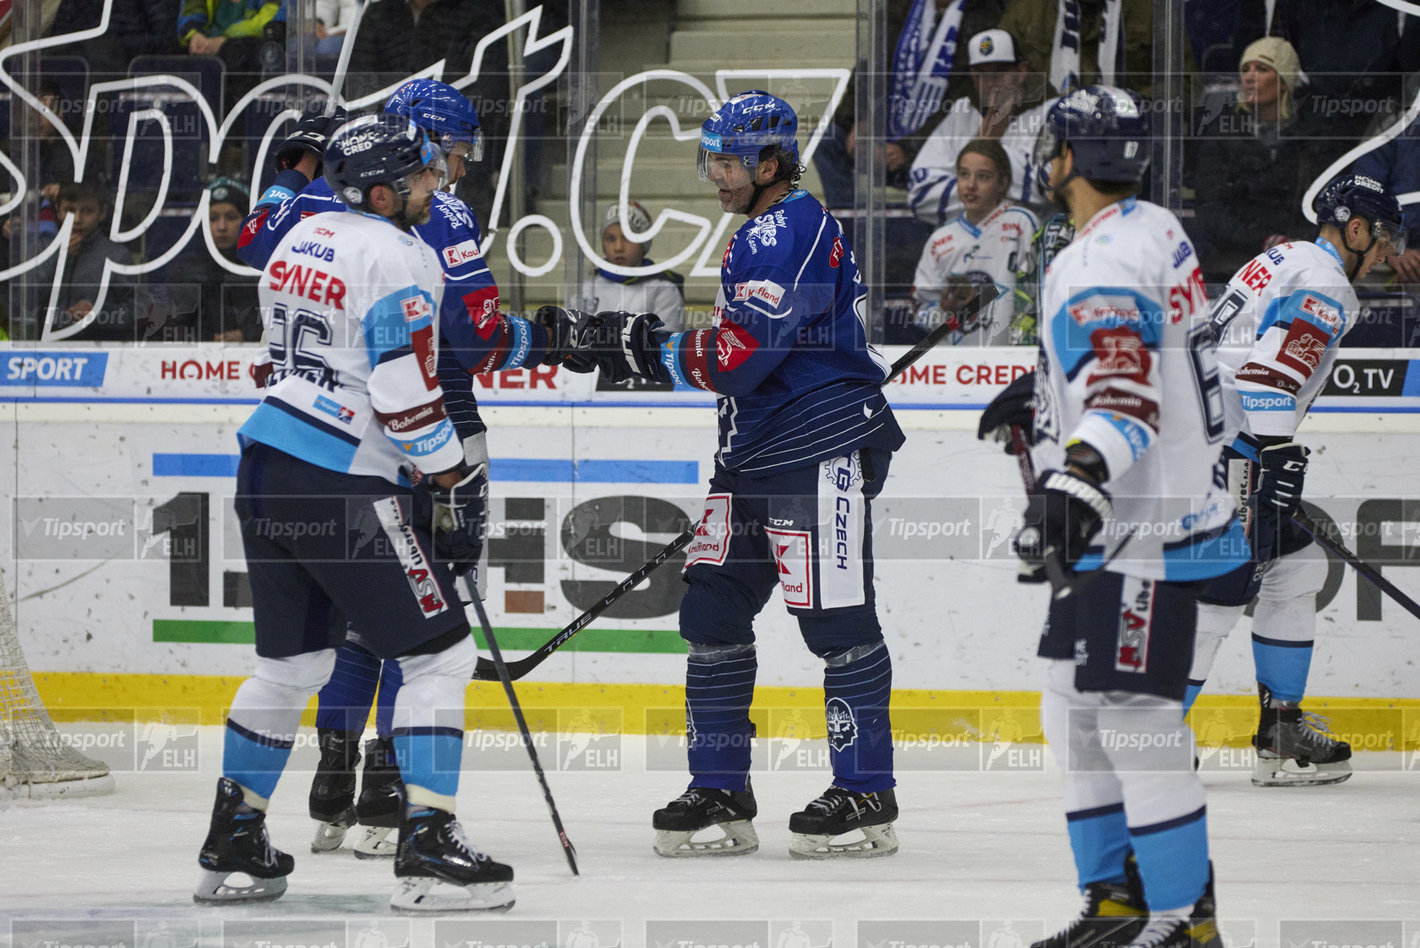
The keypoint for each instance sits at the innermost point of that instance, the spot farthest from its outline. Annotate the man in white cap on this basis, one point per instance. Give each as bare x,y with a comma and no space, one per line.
608,290
1009,107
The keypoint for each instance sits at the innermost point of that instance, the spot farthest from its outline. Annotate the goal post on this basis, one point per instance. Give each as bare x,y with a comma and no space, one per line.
35,761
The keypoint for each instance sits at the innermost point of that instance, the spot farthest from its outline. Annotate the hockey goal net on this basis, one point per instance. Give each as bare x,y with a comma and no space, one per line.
34,759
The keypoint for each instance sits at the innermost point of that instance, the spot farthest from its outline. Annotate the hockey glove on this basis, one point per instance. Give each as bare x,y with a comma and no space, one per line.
460,515
623,345
1282,469
564,327
1014,406
311,136
1065,512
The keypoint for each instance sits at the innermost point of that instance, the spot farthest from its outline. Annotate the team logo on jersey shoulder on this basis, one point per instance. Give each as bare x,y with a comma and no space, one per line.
1119,353
835,256
733,345
1323,312
1303,349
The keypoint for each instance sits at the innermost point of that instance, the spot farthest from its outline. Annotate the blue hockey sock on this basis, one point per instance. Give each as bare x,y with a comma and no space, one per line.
1282,666
254,760
391,678
857,687
1173,860
1099,838
430,757
345,698
719,687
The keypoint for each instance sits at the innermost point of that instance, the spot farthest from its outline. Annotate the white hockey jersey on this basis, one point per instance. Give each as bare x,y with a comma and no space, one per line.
932,182
349,302
990,252
1127,364
1278,325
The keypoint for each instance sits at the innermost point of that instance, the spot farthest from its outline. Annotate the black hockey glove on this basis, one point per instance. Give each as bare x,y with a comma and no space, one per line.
1065,512
1014,406
564,327
460,516
1282,468
312,134
623,345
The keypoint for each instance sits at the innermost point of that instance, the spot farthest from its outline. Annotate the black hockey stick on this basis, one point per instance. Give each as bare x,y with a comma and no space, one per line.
487,671
1337,548
567,848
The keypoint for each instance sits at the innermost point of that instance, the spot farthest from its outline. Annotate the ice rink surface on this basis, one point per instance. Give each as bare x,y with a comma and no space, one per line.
984,861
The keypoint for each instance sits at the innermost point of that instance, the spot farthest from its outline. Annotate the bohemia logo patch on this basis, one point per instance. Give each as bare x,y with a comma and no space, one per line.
842,724
733,345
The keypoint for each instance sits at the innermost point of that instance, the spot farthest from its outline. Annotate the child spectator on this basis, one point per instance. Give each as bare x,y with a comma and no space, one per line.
89,249
659,293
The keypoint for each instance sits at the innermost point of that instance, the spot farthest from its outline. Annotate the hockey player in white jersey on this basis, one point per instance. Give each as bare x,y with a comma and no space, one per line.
987,243
1279,323
337,520
1127,422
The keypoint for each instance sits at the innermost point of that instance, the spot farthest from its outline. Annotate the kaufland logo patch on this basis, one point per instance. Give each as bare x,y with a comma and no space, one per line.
1315,307
767,290
461,252
415,308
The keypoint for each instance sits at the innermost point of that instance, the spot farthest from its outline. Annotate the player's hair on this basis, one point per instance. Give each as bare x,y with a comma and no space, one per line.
789,168
991,150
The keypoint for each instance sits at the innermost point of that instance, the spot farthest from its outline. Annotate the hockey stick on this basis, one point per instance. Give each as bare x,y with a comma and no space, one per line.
567,848
342,64
1338,548
487,671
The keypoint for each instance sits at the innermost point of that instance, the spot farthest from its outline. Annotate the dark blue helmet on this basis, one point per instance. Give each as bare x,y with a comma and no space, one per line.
377,149
1356,195
745,124
1106,130
442,111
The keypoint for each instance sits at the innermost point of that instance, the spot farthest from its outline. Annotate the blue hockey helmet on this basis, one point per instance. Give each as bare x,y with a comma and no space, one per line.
1106,130
746,124
442,111
1357,195
377,149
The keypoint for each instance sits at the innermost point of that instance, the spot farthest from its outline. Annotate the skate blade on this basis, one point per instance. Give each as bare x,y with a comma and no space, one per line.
417,895
876,841
1289,772
738,839
217,887
377,842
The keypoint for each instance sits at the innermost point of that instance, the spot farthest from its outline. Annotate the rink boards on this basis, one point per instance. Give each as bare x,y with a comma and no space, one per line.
131,589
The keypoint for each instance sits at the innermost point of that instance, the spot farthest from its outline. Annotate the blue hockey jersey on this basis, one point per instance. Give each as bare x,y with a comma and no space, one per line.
788,354
475,336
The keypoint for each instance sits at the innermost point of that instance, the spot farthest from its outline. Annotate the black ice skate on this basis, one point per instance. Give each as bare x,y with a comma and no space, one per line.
237,844
438,871
1294,747
704,808
332,800
1114,914
1199,930
380,803
838,812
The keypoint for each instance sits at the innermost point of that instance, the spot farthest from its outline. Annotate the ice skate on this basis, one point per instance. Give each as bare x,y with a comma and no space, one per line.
1199,930
838,812
698,809
237,847
1294,747
1113,915
332,799
380,803
438,871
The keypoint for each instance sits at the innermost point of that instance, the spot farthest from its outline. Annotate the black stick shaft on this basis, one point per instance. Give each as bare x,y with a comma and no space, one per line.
1372,574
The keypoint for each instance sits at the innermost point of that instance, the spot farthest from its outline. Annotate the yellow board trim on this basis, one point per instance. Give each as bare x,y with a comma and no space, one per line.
917,714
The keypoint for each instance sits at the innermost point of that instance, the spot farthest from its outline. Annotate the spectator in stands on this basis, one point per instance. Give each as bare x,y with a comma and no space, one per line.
89,248
659,293
987,243
928,72
197,299
135,28
1357,53
1396,165
1010,107
56,164
1253,162
327,22
1112,43
234,31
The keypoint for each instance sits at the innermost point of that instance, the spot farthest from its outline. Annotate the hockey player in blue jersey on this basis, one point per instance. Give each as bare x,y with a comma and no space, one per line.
806,436
475,338
1127,426
352,417
1279,324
